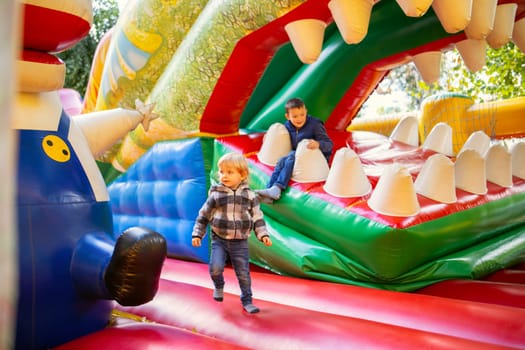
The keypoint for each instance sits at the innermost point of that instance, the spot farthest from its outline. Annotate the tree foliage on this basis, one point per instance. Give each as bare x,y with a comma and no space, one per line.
78,59
502,77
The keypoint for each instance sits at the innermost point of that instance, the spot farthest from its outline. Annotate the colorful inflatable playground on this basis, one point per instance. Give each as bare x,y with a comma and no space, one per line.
412,235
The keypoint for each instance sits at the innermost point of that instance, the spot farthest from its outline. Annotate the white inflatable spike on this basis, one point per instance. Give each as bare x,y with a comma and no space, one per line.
454,15
406,131
346,177
482,19
394,194
428,65
518,34
103,129
436,179
276,144
499,166
306,36
473,52
477,141
414,8
310,164
503,25
518,160
470,172
440,139
352,18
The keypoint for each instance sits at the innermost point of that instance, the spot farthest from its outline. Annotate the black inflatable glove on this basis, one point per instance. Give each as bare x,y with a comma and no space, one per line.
133,273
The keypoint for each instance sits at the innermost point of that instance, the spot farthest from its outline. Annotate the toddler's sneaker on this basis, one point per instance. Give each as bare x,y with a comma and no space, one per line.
250,308
218,294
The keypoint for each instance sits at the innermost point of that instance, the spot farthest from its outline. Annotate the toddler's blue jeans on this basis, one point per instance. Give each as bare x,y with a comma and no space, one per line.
237,250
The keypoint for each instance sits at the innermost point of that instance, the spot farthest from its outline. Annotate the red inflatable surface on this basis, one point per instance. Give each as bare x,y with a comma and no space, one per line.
502,293
306,314
147,336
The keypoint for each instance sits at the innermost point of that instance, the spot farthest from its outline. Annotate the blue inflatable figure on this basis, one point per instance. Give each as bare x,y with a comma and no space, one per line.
71,265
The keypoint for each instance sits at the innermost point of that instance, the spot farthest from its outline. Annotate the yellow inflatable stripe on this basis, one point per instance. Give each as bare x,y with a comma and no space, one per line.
209,134
158,131
500,118
126,315
111,76
128,71
145,41
380,124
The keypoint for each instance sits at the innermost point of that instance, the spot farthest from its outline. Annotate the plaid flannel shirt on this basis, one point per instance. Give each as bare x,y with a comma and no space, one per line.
231,214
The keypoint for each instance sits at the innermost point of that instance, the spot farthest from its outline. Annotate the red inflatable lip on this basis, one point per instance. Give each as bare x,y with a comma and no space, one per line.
40,57
50,30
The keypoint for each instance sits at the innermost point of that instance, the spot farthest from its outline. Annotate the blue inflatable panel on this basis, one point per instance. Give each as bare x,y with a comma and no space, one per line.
164,191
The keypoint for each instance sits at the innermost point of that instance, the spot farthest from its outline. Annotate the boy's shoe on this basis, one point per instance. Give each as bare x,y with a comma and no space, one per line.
250,308
273,192
218,294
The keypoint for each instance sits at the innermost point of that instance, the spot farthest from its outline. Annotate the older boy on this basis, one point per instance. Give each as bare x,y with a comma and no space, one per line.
300,126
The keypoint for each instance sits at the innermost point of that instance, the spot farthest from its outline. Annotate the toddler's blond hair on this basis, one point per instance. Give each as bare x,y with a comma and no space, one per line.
236,160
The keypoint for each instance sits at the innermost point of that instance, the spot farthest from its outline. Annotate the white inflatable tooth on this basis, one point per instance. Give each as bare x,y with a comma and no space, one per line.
470,172
499,166
440,139
436,179
518,160
394,194
306,36
406,131
346,177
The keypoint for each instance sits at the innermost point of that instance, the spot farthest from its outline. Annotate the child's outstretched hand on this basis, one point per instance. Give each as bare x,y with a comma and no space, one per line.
267,241
196,241
312,144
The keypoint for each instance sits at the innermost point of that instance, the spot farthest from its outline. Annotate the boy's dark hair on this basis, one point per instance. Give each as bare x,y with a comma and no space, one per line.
295,102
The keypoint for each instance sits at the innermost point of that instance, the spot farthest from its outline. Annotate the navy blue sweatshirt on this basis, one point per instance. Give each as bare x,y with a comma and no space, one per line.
312,129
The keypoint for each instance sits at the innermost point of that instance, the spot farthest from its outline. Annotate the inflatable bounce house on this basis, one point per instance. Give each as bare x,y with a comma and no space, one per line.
408,238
